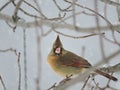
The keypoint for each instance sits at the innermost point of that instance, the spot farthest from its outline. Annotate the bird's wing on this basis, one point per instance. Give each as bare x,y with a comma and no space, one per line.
71,59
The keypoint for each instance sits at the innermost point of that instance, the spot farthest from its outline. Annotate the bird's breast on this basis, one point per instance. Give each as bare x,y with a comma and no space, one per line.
52,60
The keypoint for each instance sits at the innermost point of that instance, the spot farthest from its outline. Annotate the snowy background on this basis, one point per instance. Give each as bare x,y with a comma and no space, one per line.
10,39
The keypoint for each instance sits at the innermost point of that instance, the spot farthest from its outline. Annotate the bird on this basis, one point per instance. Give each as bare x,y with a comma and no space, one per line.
66,63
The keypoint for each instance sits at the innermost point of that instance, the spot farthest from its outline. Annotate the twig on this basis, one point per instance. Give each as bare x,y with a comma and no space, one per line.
84,7
110,69
105,10
108,22
53,86
92,88
77,13
57,18
6,4
13,27
28,14
77,37
63,10
109,81
3,84
40,11
31,6
15,17
114,38
102,50
9,49
118,10
105,87
45,34
19,69
110,2
17,7
56,25
25,58
111,41
86,82
97,85
39,60
73,13
66,79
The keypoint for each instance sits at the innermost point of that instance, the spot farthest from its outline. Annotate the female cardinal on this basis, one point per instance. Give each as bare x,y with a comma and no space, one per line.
66,63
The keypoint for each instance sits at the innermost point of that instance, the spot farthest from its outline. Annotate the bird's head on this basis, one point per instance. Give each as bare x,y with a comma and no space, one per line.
57,47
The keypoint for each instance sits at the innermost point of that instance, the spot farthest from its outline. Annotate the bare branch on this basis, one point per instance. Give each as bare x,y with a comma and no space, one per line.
10,49
78,37
110,2
5,5
17,7
53,86
63,10
85,82
3,84
40,11
25,59
19,70
25,12
56,25
110,69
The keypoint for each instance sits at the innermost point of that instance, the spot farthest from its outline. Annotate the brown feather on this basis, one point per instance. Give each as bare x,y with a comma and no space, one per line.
73,60
106,75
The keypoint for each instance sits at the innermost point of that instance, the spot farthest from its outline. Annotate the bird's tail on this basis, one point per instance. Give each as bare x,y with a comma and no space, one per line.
106,75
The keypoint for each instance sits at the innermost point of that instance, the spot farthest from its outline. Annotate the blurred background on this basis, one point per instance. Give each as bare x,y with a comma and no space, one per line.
30,27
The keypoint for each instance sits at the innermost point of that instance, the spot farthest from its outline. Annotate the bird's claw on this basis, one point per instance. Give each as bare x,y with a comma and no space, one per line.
68,77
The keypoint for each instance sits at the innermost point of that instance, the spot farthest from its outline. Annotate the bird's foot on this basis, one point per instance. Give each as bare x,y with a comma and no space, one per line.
68,77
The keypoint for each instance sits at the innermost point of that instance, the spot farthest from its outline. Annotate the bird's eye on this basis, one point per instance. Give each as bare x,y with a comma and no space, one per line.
58,50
